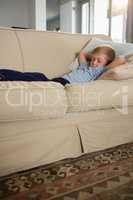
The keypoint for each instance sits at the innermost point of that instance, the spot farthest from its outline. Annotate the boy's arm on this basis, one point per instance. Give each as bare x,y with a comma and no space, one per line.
117,61
82,58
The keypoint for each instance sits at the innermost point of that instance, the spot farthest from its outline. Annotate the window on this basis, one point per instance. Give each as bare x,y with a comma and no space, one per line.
110,18
101,20
85,18
118,20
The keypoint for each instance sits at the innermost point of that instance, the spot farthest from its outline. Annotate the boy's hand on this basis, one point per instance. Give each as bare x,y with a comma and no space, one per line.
117,61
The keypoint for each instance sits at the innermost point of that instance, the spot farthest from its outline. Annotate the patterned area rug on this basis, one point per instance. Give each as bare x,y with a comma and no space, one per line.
103,175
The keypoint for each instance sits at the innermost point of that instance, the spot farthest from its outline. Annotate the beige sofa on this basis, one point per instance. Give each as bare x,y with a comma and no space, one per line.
41,122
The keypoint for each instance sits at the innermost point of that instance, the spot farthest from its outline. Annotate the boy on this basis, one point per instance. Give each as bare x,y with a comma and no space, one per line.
91,66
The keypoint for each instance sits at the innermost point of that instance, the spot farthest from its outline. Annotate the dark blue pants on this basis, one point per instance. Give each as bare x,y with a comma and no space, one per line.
12,75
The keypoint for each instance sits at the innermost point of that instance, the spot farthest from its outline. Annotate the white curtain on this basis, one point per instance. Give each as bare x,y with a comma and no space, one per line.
129,26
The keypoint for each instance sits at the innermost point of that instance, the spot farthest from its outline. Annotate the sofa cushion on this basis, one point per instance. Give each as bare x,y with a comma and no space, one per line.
100,94
10,54
123,49
129,58
121,72
31,100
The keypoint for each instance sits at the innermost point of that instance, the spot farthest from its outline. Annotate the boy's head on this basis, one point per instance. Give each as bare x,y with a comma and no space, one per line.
102,56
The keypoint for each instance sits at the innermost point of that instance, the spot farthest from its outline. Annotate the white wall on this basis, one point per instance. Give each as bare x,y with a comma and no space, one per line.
23,13
32,14
14,13
66,17
78,16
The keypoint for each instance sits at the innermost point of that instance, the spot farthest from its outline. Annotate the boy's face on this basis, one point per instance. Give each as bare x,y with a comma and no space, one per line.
98,59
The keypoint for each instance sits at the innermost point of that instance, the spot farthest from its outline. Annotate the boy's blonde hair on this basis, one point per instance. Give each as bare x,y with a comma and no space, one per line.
107,50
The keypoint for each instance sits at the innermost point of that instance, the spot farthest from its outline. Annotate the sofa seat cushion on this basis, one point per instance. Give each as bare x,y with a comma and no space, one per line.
31,100
100,94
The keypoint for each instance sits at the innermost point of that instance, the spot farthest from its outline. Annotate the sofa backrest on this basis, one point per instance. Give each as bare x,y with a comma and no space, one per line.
47,52
10,54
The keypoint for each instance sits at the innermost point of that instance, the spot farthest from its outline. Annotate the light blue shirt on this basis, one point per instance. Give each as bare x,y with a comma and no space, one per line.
84,73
